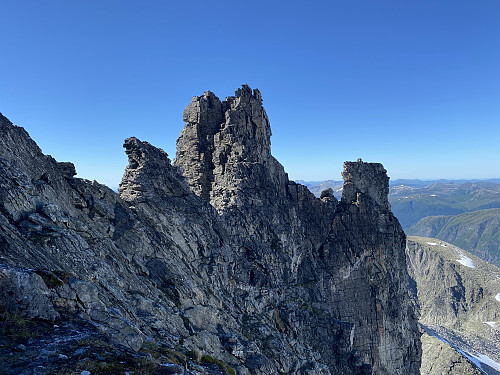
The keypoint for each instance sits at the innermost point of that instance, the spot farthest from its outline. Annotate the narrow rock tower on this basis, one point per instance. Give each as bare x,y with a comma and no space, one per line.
347,259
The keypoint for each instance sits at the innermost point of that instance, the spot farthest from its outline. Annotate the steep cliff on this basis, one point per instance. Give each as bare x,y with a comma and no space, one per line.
219,254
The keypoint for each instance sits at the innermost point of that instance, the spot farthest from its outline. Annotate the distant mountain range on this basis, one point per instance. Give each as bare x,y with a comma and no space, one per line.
478,231
401,181
410,204
316,187
465,213
412,200
458,297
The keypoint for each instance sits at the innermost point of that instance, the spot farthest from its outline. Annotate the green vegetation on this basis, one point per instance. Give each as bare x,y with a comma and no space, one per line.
164,354
410,204
50,279
106,367
223,366
477,232
207,359
17,329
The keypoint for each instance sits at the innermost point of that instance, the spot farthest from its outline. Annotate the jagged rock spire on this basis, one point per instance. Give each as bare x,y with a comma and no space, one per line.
225,148
149,174
365,179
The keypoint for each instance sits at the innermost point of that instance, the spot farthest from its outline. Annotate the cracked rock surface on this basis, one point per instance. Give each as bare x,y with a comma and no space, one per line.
218,257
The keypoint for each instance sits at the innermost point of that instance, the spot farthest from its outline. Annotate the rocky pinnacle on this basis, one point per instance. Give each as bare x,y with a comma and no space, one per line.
218,254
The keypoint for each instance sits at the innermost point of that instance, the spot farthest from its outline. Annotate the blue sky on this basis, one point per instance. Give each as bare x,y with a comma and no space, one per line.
412,84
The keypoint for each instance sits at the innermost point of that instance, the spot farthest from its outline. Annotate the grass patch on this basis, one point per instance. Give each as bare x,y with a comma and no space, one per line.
164,354
94,343
223,366
19,329
117,367
50,279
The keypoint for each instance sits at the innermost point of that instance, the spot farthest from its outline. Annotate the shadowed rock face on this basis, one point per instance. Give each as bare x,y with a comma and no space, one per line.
229,257
225,151
335,253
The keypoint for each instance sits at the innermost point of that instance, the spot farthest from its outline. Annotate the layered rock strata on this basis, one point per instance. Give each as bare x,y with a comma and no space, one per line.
219,253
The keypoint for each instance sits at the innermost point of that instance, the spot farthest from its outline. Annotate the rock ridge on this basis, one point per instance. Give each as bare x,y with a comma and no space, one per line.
219,253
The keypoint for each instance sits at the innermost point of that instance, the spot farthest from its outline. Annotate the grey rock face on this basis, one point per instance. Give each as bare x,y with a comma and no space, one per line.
24,293
225,151
456,296
228,258
363,179
439,358
325,261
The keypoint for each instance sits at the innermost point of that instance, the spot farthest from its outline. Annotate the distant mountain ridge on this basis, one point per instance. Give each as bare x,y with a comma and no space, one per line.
408,182
478,232
316,187
410,204
412,200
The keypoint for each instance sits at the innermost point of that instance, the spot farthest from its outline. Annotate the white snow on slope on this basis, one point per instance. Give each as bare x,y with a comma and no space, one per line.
431,243
487,360
466,261
497,297
475,357
491,324
471,358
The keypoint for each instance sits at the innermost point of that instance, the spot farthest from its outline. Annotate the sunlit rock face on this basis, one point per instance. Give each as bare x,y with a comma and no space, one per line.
219,253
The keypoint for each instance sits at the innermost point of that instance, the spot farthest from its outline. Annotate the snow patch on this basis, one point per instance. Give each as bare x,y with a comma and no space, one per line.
491,324
431,243
433,195
487,360
477,358
466,261
443,245
471,358
497,297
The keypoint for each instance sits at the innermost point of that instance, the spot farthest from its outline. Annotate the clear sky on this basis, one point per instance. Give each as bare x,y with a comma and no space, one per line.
412,84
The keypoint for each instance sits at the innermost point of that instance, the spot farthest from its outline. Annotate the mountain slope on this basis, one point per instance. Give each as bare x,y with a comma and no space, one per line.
459,302
410,204
478,232
217,260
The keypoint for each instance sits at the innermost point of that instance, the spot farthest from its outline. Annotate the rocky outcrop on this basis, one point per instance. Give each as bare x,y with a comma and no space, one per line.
338,251
458,303
439,358
225,151
219,254
365,180
24,293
